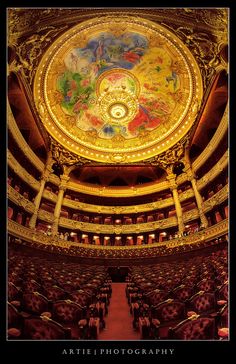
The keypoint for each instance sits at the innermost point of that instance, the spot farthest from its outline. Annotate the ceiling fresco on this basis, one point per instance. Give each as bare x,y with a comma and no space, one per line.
118,89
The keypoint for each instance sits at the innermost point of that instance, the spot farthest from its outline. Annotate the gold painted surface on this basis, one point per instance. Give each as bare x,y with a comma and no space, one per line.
117,251
20,200
208,205
99,190
177,73
115,192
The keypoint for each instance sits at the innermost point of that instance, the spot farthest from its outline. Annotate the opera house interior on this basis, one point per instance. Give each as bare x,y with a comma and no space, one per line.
117,174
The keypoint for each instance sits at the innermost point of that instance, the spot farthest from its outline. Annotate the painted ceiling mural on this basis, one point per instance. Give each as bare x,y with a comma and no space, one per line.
120,86
152,68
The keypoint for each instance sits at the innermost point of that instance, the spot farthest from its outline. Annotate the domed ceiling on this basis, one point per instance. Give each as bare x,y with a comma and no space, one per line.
118,89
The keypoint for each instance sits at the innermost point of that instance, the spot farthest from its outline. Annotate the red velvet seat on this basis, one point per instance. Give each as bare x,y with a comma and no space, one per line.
14,293
169,313
222,292
206,285
15,321
35,303
155,297
223,317
194,328
182,292
55,293
79,297
202,303
69,314
43,328
32,285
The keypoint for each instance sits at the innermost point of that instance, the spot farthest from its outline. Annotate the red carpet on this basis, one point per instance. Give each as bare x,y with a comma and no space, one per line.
119,320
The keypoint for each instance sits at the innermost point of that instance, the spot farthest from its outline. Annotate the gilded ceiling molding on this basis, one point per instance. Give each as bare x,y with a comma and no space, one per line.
19,139
171,156
82,250
205,46
65,157
22,21
30,46
126,144
214,142
25,23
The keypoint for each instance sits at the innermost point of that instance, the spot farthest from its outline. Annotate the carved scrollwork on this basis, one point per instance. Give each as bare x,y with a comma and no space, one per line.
30,50
65,157
204,47
217,199
167,159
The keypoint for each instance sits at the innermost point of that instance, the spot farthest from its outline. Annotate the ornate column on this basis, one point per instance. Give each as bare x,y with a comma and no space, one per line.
57,211
173,187
198,197
44,178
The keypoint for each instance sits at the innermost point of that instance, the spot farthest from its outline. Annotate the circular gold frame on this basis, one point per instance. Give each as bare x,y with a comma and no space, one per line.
117,149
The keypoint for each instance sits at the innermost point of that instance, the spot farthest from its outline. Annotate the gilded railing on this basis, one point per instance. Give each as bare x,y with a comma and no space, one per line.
21,142
192,214
29,179
41,241
214,142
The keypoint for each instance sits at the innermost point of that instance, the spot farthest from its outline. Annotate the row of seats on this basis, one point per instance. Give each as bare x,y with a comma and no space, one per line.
193,294
50,300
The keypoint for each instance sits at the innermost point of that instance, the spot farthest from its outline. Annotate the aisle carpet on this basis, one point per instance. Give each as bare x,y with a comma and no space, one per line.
119,320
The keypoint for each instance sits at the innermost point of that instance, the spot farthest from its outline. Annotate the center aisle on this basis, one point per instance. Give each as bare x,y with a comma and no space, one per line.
119,320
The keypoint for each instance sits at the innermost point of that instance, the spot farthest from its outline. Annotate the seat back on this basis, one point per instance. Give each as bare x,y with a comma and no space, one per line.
156,296
67,311
202,302
223,316
197,328
79,298
169,310
42,328
182,293
14,292
35,302
55,293
206,285
222,292
31,285
14,317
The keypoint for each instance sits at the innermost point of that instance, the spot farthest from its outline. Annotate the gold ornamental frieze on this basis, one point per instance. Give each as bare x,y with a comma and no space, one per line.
118,89
134,251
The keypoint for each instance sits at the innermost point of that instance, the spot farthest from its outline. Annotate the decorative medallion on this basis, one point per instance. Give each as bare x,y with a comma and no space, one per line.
118,86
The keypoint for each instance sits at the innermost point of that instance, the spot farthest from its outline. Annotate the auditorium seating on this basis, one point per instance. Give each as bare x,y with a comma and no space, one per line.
196,286
73,299
50,300
193,328
44,328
